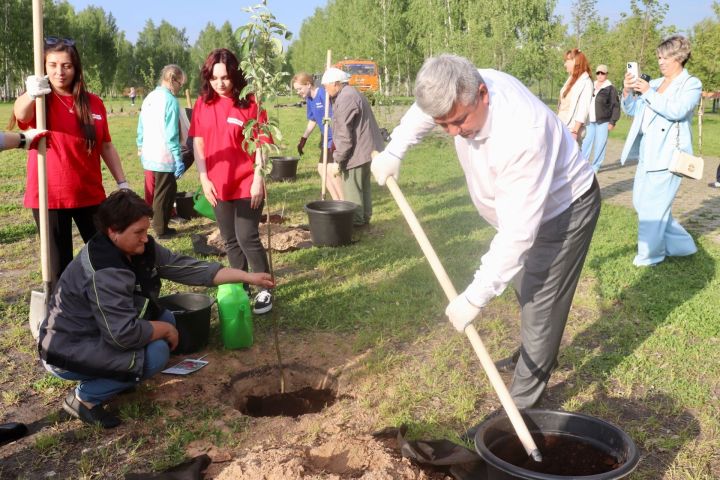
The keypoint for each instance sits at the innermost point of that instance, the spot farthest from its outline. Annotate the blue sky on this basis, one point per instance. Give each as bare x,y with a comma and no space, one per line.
193,15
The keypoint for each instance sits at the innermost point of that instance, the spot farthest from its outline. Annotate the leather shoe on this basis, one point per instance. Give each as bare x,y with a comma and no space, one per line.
508,364
469,435
96,415
9,432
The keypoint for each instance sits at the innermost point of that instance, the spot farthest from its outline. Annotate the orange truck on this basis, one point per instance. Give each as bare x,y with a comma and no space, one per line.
363,74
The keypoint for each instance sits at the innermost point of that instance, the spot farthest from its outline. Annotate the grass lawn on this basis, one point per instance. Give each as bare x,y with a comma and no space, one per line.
641,348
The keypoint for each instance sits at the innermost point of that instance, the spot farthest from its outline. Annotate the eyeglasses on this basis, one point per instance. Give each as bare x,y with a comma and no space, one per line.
51,41
600,73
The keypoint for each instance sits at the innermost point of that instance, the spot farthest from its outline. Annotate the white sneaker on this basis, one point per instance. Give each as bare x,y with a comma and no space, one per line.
714,184
262,303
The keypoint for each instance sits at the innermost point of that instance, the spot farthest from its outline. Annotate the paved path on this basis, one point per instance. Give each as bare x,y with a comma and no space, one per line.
696,207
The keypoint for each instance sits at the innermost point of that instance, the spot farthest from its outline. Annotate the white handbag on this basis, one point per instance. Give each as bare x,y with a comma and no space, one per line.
684,164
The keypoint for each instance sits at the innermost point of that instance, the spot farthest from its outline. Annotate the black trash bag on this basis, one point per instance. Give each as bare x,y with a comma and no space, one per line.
460,462
190,470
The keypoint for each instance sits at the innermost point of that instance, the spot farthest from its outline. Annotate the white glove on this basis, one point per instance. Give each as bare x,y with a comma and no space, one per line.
37,86
385,165
33,136
124,185
461,312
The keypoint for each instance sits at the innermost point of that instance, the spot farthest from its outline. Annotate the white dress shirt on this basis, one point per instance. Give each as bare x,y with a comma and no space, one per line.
522,169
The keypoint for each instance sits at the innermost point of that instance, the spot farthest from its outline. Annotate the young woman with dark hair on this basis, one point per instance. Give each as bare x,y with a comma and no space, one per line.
576,94
79,137
231,178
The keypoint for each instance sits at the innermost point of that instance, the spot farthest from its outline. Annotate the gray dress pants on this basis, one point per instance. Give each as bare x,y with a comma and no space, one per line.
545,288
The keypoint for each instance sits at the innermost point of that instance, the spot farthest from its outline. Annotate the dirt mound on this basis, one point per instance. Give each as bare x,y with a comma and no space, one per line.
334,457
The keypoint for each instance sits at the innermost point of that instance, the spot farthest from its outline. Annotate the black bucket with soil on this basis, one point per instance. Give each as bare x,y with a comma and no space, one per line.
331,222
184,205
284,169
573,445
192,319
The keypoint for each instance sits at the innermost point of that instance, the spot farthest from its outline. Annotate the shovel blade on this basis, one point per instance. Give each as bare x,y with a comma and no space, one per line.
38,310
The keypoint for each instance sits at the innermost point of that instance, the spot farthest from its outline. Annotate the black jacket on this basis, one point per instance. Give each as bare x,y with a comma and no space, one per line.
97,317
607,105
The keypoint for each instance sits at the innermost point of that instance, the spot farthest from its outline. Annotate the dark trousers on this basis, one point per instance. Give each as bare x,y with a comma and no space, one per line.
60,234
239,230
163,199
545,288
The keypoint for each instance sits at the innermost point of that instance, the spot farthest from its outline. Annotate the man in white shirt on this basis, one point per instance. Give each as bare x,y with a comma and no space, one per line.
527,178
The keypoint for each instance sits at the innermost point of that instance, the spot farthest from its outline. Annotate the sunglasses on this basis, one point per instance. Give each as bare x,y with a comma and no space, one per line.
600,73
51,41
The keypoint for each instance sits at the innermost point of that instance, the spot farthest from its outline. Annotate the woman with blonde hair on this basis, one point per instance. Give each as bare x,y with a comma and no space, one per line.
162,129
662,113
316,97
576,93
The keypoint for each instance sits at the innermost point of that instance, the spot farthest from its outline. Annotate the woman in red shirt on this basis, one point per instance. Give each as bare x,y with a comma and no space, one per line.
230,180
79,137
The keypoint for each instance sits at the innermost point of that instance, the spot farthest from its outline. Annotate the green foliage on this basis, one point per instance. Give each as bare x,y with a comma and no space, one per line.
261,61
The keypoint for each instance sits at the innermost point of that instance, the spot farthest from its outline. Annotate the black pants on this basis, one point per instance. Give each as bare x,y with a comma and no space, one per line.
60,234
163,199
239,230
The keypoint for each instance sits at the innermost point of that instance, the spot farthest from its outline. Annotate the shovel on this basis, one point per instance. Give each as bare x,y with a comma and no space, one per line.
488,365
39,300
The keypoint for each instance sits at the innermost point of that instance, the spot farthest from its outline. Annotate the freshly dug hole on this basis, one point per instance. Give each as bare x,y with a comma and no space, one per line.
307,390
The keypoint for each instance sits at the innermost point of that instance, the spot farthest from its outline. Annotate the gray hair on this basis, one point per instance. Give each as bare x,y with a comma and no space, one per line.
677,47
173,74
444,81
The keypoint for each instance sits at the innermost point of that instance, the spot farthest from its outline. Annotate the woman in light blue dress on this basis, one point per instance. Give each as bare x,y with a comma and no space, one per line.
662,110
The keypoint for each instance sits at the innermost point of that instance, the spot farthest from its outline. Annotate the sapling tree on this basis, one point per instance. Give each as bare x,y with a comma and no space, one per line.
261,52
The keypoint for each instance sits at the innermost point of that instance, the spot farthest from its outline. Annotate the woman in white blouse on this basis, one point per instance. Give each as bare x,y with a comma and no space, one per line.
576,94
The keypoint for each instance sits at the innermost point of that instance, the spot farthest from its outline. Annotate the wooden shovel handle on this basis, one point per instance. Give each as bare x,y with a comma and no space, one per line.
488,365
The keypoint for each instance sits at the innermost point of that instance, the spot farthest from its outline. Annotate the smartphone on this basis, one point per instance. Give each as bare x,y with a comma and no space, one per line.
632,69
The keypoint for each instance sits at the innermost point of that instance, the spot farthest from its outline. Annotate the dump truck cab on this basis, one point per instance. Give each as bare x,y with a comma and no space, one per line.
363,74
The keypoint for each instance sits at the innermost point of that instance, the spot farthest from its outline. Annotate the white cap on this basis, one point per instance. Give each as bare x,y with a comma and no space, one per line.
333,75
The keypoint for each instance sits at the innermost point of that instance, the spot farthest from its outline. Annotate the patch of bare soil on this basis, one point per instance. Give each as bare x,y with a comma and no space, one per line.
335,443
331,456
283,238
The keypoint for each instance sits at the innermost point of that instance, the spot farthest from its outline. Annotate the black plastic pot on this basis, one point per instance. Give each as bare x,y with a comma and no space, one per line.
331,222
494,435
184,205
192,317
284,168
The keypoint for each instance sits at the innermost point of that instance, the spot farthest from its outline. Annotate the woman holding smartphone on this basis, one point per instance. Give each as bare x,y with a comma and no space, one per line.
662,114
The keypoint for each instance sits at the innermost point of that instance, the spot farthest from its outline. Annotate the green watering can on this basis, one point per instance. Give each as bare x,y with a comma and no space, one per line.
202,206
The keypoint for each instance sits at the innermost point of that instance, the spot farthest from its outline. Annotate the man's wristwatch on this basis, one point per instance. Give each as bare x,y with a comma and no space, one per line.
23,140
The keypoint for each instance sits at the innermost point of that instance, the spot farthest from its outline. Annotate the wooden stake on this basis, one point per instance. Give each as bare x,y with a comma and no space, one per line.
41,123
326,130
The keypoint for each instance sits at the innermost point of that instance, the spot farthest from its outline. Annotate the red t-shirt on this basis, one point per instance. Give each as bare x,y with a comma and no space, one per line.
220,125
73,175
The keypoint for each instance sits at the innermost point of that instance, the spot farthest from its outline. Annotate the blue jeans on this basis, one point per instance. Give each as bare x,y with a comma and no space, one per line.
596,134
99,390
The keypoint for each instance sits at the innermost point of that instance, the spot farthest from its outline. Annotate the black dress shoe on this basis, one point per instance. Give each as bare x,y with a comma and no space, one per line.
9,432
508,364
469,435
93,416
169,233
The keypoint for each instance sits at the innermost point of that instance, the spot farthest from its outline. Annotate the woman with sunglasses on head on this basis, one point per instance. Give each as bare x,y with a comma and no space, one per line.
604,114
231,178
576,94
79,137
